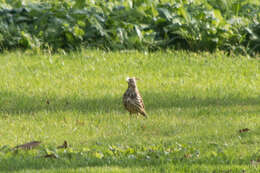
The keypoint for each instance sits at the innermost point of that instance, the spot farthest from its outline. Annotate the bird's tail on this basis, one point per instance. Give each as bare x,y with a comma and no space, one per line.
144,114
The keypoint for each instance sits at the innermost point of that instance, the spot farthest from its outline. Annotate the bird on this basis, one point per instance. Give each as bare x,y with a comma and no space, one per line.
132,99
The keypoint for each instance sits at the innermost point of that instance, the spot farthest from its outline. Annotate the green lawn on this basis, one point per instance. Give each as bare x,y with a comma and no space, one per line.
197,103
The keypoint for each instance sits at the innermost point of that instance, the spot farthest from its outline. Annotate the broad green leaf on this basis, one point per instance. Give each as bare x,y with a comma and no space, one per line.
139,33
165,13
218,16
98,155
78,32
80,4
185,14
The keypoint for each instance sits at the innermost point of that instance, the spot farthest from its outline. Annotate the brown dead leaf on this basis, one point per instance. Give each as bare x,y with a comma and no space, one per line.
244,130
80,123
64,145
47,102
258,159
254,162
50,156
188,155
65,120
29,145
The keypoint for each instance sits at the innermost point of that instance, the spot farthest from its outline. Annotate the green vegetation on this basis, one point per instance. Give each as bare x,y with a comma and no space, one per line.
230,25
197,103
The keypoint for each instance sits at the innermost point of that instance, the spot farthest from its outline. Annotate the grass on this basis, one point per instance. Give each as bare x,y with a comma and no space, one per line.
197,103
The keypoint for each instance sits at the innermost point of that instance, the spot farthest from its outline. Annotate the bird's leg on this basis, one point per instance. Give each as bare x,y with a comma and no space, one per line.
137,115
131,115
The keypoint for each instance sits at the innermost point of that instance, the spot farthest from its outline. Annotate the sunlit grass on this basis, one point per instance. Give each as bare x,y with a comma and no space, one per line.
196,103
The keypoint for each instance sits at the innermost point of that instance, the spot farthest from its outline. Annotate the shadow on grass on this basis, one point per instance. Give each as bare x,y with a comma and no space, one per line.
75,161
169,100
15,103
34,163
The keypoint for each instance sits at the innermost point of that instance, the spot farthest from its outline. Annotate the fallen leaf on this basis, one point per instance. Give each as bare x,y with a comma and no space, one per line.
258,160
187,155
244,130
80,123
254,163
64,145
213,143
51,156
29,145
65,120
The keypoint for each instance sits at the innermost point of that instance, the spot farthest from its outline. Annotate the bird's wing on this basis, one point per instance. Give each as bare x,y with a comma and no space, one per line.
138,102
139,99
142,102
125,99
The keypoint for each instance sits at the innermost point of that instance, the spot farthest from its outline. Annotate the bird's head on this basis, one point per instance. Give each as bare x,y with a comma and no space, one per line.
131,82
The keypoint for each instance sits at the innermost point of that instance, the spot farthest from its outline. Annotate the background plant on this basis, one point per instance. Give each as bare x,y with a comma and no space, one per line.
131,24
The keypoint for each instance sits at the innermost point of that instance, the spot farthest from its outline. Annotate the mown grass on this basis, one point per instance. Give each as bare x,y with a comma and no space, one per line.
197,103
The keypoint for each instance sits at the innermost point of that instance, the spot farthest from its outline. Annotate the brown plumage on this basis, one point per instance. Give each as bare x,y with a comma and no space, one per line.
132,99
